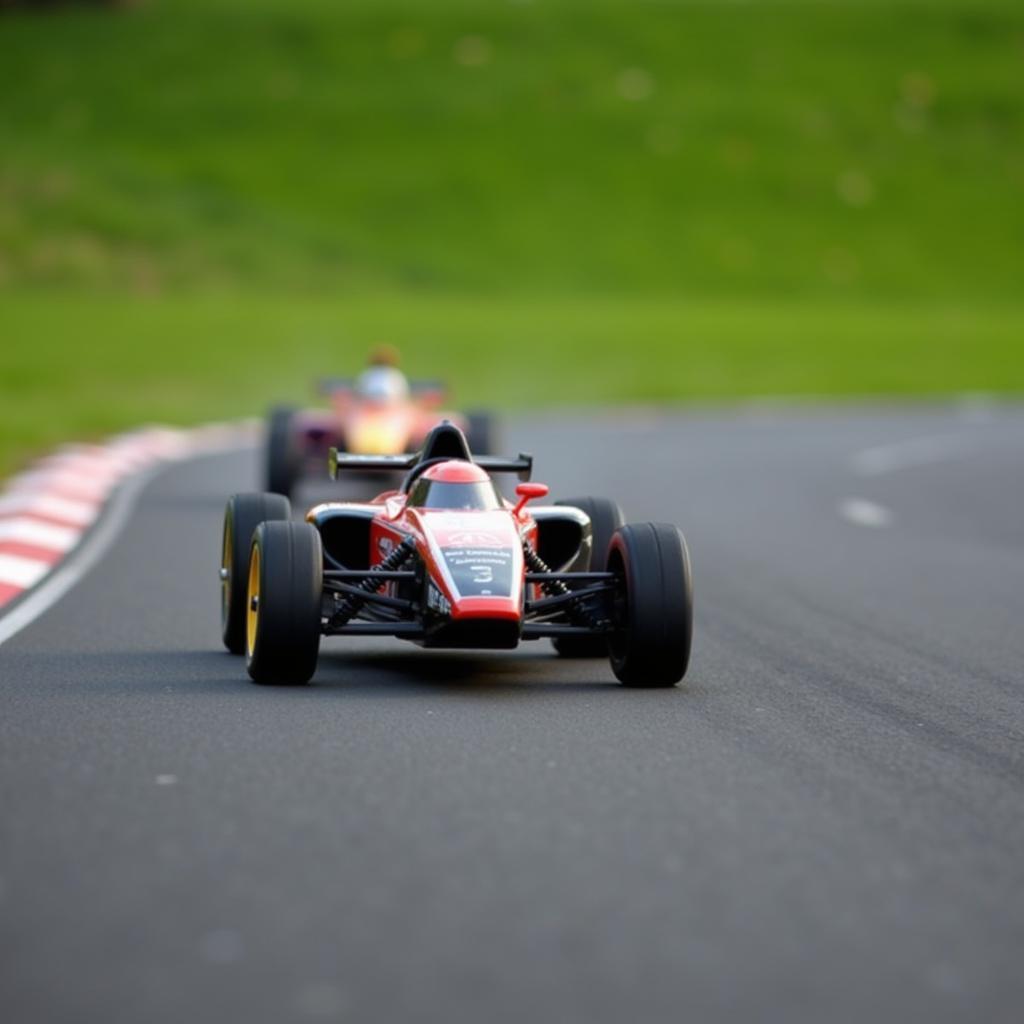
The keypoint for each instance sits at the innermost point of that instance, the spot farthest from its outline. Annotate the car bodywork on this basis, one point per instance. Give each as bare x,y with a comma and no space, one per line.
454,577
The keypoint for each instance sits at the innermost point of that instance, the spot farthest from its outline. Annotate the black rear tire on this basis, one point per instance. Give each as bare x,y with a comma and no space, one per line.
481,433
605,518
650,645
283,622
282,458
243,514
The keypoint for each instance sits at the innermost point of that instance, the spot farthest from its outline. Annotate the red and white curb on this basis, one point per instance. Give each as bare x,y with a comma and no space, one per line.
47,511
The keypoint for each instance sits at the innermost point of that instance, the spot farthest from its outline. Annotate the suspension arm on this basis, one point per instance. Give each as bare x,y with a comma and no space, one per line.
576,610
372,581
536,630
546,604
571,577
406,630
382,599
358,575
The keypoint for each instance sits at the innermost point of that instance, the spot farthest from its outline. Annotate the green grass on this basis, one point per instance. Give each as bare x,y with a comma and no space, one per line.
164,360
205,202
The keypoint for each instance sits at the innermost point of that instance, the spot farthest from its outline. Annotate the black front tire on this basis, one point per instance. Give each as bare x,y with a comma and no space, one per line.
282,463
650,645
283,603
605,518
243,514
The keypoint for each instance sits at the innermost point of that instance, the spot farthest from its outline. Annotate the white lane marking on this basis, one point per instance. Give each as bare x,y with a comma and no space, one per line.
864,513
22,572
39,534
918,451
166,780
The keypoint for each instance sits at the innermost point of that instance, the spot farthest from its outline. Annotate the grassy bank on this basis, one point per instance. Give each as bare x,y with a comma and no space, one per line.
204,203
181,359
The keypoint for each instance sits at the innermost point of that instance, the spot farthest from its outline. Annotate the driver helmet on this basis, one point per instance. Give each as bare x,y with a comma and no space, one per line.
456,471
382,381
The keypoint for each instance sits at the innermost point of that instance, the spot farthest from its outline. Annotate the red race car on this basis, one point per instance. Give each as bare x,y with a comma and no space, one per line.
378,413
445,561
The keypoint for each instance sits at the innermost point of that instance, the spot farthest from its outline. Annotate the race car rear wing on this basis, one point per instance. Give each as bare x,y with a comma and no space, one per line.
337,461
336,385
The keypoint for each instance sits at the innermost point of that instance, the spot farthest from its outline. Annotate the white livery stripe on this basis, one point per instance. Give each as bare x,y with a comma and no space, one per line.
21,572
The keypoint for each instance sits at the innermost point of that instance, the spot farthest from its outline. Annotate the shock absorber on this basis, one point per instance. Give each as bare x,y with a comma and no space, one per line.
577,611
353,602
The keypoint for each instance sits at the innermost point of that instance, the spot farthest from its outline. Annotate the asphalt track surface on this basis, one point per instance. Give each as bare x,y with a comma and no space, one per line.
825,823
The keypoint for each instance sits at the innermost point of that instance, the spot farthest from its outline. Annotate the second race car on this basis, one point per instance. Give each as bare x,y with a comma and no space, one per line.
378,413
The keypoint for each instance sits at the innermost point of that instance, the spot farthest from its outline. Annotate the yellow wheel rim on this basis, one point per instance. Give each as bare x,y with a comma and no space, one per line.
252,602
